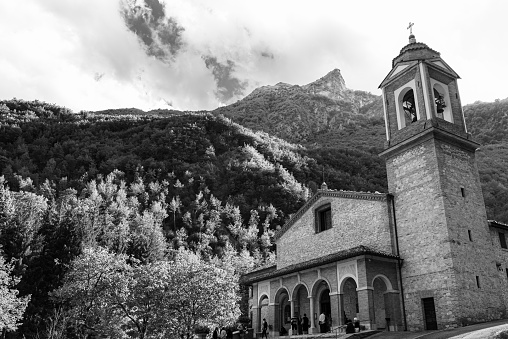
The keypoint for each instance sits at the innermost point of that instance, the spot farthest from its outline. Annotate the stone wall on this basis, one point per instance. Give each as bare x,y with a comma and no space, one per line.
354,222
433,220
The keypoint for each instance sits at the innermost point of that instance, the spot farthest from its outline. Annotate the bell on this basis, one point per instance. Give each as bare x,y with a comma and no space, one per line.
440,108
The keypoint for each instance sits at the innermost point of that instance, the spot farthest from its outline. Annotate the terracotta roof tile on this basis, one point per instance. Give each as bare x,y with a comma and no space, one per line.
272,272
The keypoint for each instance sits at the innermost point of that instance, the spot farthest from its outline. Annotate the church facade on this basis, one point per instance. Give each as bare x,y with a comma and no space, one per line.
424,255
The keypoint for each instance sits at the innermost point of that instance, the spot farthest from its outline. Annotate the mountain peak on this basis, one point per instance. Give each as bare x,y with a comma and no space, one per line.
332,85
333,73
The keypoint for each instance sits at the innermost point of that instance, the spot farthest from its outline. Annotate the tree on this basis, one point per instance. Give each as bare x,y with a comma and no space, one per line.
200,294
113,295
87,291
174,206
12,307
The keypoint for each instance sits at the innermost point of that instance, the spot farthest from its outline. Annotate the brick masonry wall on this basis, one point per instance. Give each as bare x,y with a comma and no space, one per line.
432,221
354,222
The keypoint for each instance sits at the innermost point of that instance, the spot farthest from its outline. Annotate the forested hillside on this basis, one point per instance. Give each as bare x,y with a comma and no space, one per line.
488,122
143,184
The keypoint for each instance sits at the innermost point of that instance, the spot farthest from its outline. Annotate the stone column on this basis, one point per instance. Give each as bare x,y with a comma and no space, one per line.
312,328
335,309
366,307
292,315
393,311
340,298
272,316
256,324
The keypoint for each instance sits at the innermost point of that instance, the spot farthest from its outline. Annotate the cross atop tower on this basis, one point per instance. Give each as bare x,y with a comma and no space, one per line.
410,27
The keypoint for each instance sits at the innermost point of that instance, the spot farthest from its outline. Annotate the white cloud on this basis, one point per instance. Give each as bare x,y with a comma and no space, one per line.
56,48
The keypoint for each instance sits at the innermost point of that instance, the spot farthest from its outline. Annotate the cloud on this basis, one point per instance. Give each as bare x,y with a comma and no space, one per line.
198,54
161,35
228,87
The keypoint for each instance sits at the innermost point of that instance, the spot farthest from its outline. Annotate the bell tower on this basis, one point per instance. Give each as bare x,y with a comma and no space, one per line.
448,275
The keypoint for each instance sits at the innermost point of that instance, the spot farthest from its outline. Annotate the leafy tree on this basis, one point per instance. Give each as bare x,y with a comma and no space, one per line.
12,307
201,294
104,294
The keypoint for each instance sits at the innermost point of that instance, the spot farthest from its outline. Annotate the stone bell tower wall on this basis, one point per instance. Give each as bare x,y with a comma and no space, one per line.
427,177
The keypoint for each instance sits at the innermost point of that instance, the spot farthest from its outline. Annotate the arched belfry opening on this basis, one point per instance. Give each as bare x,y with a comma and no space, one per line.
409,107
441,101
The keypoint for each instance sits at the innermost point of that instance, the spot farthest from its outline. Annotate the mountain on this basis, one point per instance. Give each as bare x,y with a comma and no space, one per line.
325,116
141,183
324,112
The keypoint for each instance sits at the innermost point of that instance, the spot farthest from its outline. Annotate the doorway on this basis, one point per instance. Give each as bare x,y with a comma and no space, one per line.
325,307
429,313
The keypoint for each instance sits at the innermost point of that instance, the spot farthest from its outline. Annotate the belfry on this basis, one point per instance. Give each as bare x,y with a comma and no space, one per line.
424,255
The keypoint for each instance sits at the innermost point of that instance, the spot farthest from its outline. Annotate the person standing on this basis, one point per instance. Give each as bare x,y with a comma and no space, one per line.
265,329
305,324
322,322
215,333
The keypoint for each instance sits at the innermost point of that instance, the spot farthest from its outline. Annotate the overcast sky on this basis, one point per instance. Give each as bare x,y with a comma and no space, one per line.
199,54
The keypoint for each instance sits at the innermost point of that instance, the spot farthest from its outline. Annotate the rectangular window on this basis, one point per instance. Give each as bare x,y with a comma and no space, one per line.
502,240
323,218
469,233
463,192
478,281
507,273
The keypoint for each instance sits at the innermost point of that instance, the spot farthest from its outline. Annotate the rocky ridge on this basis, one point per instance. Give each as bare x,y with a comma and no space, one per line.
306,114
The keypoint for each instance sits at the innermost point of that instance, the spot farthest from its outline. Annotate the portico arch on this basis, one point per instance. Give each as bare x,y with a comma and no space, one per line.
348,288
380,287
263,311
321,299
282,304
385,279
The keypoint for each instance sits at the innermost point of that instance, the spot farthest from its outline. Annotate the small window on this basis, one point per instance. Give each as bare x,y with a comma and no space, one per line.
502,240
470,236
324,218
507,273
478,281
463,192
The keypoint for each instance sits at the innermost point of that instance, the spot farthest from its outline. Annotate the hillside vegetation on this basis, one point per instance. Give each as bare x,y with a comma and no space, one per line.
143,184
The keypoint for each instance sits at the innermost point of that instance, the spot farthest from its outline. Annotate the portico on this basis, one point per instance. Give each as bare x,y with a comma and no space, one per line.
358,282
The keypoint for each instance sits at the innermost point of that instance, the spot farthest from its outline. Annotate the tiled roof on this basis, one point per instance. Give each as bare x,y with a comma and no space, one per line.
272,272
497,224
327,193
413,47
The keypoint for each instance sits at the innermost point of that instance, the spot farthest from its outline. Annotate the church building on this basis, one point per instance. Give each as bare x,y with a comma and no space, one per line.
424,255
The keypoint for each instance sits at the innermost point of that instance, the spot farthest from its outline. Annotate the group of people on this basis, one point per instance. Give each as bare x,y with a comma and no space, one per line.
227,333
223,333
301,326
352,326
